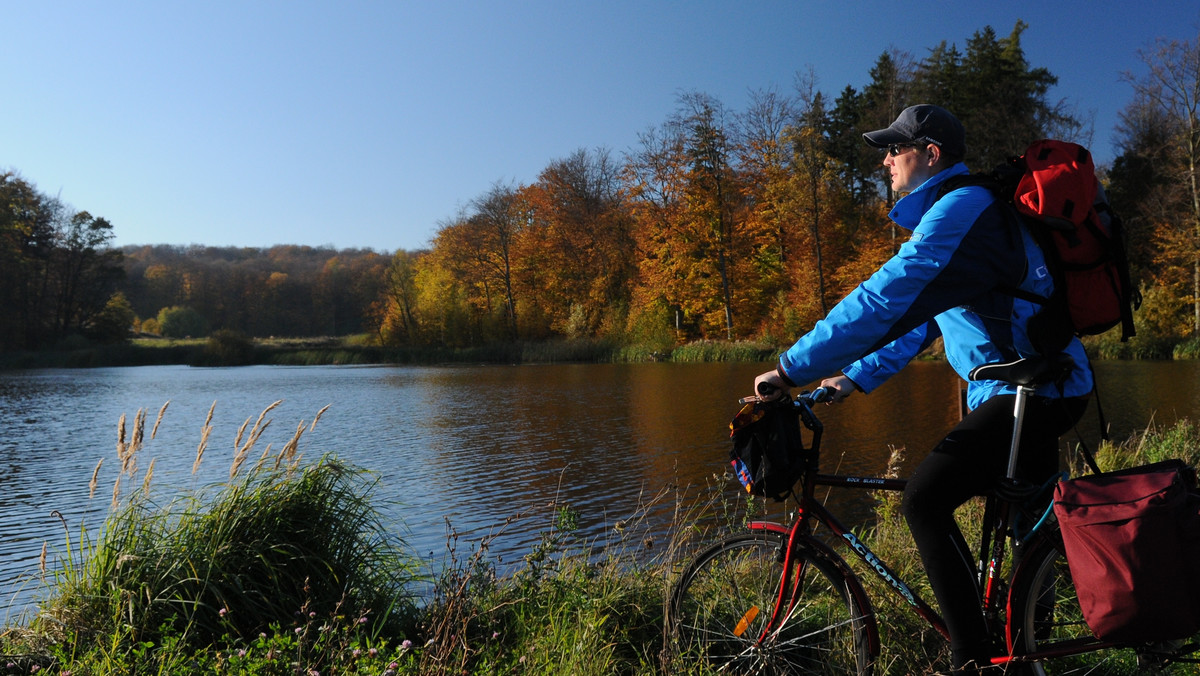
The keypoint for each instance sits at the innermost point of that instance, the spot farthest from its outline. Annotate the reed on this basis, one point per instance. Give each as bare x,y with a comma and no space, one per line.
228,562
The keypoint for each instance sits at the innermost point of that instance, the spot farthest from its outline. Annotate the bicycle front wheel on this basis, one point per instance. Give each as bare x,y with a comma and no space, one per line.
1045,617
723,612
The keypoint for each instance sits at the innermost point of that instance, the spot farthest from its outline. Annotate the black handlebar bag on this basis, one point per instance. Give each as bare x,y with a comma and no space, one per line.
768,450
1132,541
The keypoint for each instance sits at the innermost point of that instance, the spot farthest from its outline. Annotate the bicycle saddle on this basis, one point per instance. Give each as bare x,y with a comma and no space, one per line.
1026,372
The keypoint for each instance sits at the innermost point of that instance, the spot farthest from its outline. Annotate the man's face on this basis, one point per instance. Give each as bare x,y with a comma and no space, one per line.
908,165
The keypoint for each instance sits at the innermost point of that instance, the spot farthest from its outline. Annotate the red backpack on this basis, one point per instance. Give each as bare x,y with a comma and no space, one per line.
1053,189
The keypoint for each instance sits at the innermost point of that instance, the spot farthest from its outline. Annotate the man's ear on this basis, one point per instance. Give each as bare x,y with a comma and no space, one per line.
933,154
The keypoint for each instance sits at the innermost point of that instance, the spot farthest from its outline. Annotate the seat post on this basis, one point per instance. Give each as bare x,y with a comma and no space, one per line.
1023,393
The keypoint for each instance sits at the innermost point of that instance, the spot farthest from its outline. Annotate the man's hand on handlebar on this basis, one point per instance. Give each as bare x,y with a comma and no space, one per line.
839,388
769,386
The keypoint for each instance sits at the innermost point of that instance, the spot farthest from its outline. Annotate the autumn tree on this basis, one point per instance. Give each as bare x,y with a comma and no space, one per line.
576,250
395,311
690,206
764,159
1168,97
478,250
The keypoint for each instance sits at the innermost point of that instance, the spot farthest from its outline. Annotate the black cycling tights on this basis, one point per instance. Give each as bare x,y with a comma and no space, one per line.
967,463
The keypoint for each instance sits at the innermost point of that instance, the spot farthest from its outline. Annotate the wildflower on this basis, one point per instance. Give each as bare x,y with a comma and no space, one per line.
362,620
495,635
299,630
242,652
393,666
312,614
375,651
406,644
222,612
356,654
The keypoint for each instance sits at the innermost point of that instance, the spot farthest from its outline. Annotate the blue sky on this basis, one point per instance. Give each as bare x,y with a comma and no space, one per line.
369,124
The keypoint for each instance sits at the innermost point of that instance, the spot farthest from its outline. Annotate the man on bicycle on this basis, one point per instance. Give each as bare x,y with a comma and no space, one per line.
946,281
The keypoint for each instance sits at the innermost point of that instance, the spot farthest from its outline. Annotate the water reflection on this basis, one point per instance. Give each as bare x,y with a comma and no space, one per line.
468,446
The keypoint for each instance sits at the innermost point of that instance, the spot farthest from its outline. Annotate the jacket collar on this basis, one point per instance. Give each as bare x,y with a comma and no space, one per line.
909,209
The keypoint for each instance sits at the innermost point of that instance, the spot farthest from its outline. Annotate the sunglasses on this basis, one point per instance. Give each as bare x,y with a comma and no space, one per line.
897,148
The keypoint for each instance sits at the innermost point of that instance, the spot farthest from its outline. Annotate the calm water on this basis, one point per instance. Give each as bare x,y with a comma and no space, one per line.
464,446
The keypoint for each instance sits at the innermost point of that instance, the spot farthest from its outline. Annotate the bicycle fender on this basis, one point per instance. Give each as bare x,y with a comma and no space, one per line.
769,527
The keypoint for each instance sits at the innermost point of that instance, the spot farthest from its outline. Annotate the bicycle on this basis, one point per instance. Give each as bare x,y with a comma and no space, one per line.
778,599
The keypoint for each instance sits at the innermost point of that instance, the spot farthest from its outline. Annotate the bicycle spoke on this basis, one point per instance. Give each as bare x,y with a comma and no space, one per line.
722,607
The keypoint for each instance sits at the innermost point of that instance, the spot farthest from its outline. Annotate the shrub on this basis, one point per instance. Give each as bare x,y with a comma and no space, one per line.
228,348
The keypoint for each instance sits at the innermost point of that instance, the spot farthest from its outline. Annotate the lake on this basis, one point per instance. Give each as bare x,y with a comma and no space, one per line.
465,447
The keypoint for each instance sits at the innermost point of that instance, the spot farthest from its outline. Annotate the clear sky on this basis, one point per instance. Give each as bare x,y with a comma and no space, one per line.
369,124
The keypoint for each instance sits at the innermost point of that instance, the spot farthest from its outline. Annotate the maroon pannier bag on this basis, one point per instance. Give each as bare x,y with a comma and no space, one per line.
1132,541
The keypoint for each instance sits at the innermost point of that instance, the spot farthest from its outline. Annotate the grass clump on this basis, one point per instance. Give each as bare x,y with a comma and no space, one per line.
289,559
1153,444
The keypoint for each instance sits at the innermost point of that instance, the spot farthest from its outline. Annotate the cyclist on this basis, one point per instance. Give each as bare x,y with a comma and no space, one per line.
946,281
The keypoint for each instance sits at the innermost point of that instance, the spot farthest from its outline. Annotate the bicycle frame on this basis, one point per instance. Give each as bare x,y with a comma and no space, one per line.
812,513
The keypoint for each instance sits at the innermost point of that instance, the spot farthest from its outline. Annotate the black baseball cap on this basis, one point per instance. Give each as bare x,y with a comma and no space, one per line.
923,123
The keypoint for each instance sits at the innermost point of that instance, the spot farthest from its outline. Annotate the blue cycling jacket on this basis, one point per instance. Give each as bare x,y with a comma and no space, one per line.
943,282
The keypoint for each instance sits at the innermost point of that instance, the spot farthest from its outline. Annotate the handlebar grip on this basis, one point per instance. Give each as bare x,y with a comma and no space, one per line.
766,389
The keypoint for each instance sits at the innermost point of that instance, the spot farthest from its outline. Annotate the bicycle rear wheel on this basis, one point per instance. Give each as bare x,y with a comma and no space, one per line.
721,607
1044,615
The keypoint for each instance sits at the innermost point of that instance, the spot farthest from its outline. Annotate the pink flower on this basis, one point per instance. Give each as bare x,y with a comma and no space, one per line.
222,612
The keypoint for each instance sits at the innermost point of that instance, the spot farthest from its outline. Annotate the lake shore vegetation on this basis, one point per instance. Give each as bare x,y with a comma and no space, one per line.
718,226
287,568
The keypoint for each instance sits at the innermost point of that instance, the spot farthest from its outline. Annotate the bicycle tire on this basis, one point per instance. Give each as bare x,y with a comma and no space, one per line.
1044,613
727,595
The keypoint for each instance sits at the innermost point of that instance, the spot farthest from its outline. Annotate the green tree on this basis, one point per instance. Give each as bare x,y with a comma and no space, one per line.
113,323
182,322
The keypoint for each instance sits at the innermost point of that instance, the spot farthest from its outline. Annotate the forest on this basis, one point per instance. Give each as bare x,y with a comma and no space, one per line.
719,224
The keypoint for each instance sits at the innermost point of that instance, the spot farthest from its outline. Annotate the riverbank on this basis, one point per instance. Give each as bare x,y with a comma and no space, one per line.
300,576
225,348
233,350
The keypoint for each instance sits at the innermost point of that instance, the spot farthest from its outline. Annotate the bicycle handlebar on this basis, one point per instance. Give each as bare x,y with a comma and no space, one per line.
817,396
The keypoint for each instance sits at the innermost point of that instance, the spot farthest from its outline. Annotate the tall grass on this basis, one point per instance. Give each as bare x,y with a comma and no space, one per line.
280,544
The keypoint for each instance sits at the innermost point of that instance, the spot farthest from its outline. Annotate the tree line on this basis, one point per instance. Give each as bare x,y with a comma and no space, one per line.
718,224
